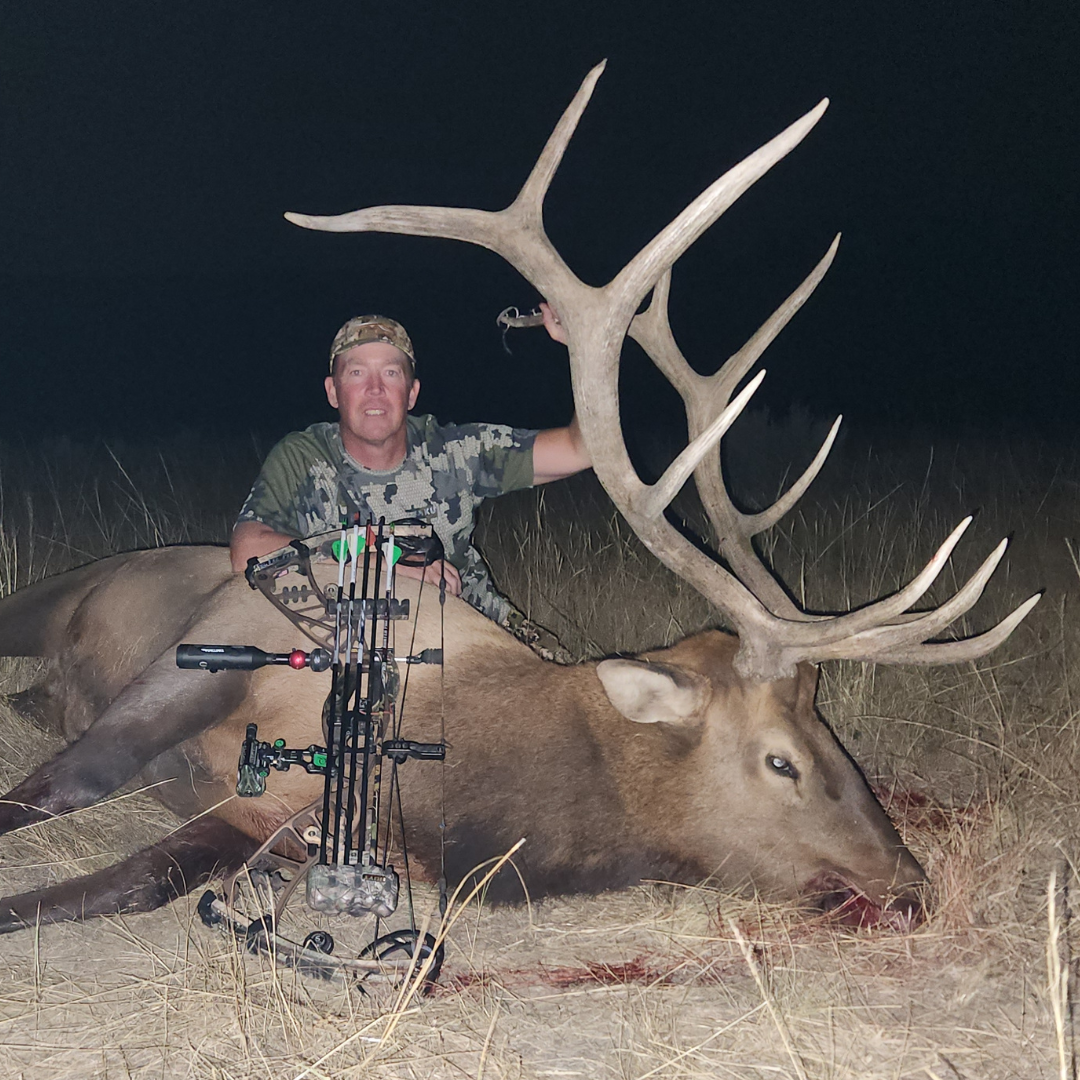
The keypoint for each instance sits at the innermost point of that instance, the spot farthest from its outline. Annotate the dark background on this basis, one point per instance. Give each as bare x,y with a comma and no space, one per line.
149,282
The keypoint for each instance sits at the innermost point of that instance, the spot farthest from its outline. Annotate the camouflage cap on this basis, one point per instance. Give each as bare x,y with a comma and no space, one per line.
365,328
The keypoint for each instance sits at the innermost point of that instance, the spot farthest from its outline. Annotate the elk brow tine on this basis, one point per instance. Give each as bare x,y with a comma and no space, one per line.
809,637
766,519
814,636
883,638
954,652
656,497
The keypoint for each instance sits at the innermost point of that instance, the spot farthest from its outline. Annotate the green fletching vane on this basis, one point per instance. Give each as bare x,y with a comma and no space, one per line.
356,547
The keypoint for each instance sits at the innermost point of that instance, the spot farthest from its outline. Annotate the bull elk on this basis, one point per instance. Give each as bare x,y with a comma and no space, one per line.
705,759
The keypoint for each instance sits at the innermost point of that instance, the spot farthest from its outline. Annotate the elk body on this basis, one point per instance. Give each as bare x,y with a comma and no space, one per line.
703,760
670,766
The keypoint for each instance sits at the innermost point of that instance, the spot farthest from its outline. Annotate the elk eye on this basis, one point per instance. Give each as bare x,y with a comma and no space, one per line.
782,767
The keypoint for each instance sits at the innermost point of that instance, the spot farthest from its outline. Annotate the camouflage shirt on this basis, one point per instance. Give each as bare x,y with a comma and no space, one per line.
309,481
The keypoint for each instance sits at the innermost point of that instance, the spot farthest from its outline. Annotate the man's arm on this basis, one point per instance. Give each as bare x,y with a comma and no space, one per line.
558,452
250,539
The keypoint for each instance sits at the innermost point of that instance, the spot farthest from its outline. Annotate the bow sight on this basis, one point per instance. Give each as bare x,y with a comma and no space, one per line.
341,843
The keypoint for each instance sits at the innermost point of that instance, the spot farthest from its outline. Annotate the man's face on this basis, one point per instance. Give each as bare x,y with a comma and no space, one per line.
372,391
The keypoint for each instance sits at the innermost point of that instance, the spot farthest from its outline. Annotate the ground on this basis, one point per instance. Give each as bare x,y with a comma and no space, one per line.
652,981
979,765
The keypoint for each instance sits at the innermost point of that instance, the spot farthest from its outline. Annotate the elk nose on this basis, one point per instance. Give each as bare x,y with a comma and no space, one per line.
848,905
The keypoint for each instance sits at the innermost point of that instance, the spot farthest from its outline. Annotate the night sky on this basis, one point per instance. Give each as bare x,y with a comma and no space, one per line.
150,282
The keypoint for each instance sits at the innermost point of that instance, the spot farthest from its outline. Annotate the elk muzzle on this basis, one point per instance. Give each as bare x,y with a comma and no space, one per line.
847,905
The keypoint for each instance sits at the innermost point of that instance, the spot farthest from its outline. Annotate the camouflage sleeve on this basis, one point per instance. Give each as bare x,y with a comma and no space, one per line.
273,499
502,460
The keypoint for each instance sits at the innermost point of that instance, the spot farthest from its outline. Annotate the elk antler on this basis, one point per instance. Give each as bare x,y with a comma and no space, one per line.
774,633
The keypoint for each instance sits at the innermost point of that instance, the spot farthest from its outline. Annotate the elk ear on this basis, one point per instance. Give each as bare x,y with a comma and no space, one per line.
653,693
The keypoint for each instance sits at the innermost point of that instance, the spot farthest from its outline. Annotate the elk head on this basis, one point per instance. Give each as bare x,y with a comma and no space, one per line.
747,783
776,638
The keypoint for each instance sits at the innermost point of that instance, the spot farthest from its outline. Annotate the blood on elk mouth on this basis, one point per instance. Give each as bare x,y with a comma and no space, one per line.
847,905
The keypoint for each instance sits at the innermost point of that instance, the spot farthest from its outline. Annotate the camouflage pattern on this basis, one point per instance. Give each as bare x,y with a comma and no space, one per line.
365,328
308,482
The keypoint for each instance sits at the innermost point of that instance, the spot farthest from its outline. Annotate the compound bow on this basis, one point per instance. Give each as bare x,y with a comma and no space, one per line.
339,844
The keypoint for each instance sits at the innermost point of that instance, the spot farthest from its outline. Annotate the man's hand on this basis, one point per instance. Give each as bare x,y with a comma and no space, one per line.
558,452
254,539
431,574
552,324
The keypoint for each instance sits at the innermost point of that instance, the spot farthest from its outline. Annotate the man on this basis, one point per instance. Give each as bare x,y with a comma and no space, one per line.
379,460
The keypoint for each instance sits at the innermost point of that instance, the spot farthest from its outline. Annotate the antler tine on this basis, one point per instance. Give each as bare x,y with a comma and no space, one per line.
516,233
723,383
810,639
704,395
452,222
651,329
664,250
656,498
881,639
766,519
950,652
884,632
531,197
733,527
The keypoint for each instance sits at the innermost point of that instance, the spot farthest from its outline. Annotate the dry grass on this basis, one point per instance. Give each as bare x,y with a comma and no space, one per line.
978,765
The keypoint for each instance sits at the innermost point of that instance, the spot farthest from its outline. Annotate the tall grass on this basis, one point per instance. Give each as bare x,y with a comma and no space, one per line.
978,763
64,503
